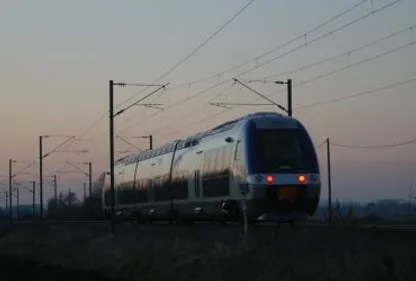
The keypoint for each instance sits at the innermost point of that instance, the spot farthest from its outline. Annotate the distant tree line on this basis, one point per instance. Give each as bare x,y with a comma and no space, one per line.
378,211
69,207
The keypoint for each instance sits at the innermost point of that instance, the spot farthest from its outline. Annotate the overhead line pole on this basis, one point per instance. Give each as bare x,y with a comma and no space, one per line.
111,133
328,155
11,176
31,190
41,157
289,95
55,189
33,198
85,190
41,179
90,179
17,203
10,192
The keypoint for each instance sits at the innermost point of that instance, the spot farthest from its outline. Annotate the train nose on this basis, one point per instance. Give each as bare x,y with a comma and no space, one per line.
290,200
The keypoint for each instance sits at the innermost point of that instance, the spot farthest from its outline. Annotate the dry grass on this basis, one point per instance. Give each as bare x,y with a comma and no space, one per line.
204,253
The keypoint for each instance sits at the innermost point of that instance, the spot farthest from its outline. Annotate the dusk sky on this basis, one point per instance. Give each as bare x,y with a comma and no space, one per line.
57,57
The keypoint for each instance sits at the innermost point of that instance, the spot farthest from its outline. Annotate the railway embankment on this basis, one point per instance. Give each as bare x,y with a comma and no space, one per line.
212,253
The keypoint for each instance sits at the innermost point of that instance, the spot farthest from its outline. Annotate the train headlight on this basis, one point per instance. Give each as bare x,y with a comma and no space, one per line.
302,178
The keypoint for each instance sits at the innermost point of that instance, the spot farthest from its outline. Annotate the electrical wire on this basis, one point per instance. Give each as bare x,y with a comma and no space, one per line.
196,49
320,145
319,37
325,60
310,105
89,129
195,110
373,146
334,72
178,103
303,35
255,59
349,66
274,58
358,94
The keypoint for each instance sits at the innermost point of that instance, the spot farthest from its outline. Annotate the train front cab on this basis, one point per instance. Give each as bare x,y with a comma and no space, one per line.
283,171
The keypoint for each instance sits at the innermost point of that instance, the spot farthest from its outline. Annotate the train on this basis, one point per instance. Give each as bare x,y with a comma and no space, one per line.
262,167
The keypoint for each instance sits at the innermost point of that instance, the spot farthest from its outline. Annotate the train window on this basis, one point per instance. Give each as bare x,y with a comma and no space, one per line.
161,189
285,150
141,192
180,186
282,146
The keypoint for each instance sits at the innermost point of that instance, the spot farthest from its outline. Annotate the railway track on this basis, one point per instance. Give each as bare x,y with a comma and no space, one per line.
393,227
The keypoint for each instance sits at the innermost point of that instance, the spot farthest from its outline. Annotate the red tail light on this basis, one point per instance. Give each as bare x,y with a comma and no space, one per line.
270,179
302,178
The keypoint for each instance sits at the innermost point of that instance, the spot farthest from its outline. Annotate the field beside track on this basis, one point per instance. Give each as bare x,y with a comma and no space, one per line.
204,252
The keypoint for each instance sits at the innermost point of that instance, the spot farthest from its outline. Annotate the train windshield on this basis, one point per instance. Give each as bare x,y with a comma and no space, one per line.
287,151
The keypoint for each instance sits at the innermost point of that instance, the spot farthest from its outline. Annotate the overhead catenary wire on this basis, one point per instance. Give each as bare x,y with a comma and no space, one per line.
373,146
198,108
320,144
349,66
328,59
279,47
316,39
301,36
328,74
360,94
319,37
213,87
390,86
222,27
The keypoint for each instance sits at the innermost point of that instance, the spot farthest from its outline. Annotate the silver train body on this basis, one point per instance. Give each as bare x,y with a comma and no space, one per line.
264,163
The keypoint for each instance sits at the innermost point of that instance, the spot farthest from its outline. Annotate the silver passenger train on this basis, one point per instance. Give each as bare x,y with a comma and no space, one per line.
263,161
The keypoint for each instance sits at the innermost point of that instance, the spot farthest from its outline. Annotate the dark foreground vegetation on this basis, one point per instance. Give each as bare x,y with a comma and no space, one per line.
12,269
202,252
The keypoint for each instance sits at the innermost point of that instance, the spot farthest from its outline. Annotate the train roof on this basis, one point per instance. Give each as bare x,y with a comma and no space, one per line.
195,138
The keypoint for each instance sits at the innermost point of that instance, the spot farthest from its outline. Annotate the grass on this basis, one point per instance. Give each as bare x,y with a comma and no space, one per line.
204,253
